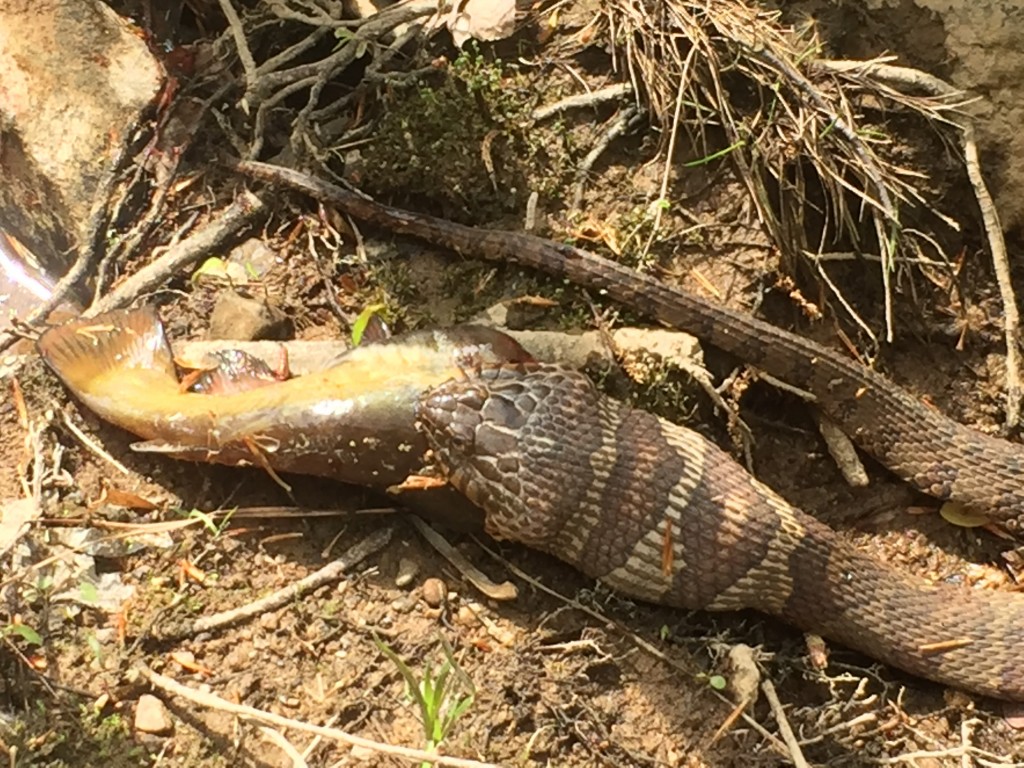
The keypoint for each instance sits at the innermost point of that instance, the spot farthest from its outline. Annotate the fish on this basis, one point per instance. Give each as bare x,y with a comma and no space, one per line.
353,421
233,370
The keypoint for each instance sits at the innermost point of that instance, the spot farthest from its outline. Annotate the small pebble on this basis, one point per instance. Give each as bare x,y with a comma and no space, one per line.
403,604
407,570
184,658
467,616
362,754
435,592
151,716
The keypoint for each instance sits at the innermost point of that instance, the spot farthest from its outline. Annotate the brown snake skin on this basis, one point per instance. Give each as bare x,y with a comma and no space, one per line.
658,513
917,443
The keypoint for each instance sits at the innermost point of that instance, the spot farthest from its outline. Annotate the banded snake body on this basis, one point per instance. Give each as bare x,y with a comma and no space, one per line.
652,508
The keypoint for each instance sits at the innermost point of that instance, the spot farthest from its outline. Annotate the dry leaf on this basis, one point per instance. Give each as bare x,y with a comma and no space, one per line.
15,515
482,20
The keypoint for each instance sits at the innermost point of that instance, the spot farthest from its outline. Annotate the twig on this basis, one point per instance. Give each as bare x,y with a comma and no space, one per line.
780,717
331,572
278,739
666,174
913,78
130,243
617,128
241,45
211,236
213,701
504,591
583,100
91,445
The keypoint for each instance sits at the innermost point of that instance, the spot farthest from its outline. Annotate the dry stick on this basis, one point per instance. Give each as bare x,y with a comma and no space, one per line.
783,722
91,445
213,235
241,44
504,592
277,739
616,128
670,151
330,573
212,701
582,100
130,243
904,77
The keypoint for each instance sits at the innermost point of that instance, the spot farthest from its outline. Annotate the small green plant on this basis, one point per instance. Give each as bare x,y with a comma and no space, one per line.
717,682
23,631
442,697
209,522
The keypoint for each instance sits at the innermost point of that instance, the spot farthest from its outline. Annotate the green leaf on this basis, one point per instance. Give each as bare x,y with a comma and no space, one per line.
214,267
88,593
94,645
207,520
25,632
359,326
717,682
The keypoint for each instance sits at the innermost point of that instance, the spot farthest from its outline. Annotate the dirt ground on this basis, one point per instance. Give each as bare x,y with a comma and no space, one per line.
567,674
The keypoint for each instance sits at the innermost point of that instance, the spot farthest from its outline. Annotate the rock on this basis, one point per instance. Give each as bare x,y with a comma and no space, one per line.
976,45
76,79
151,716
435,592
255,257
407,570
403,604
237,317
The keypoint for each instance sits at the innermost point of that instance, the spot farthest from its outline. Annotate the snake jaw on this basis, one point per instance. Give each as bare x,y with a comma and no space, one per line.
447,420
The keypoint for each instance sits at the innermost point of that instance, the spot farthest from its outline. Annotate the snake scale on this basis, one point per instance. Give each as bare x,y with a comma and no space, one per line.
934,453
659,513
649,507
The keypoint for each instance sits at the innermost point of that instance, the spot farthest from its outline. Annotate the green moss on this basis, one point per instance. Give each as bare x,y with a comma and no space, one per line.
464,147
47,736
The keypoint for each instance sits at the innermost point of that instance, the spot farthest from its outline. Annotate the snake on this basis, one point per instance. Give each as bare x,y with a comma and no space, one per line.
659,513
649,507
918,443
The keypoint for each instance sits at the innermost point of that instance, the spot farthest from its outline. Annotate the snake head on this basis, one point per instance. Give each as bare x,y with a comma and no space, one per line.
474,426
449,416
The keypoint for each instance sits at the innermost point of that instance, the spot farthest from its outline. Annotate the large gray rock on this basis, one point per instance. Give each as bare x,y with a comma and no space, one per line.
74,80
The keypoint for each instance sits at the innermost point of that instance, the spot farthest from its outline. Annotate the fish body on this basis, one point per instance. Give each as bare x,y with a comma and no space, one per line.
353,421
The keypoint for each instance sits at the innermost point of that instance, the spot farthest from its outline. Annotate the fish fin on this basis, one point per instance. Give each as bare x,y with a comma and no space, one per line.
83,349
